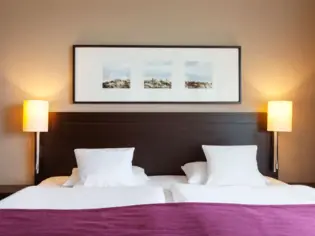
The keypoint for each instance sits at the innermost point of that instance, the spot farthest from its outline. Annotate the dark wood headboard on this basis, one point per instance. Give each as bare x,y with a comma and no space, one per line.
163,141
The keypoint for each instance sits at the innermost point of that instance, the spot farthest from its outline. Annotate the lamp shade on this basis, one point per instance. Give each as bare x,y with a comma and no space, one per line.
35,116
280,116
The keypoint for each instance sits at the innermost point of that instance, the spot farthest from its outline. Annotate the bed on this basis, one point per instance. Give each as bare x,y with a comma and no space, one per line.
163,142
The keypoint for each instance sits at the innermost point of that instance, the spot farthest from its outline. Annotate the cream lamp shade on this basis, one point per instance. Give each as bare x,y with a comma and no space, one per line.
279,116
35,116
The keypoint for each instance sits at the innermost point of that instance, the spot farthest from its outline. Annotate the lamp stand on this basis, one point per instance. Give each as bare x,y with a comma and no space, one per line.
275,152
37,146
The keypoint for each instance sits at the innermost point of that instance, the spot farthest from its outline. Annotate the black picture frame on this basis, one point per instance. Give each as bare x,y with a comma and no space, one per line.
78,46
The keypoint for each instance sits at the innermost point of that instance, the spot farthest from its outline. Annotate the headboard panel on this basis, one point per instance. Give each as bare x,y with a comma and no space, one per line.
163,141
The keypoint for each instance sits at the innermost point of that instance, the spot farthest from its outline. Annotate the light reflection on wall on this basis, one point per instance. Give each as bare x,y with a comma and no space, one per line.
37,84
278,82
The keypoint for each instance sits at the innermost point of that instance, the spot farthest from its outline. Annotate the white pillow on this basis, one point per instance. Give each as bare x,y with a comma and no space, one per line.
140,175
233,165
73,178
138,172
105,167
196,172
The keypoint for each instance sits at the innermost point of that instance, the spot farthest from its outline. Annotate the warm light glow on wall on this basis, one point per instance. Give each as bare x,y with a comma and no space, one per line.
36,82
35,116
274,77
280,116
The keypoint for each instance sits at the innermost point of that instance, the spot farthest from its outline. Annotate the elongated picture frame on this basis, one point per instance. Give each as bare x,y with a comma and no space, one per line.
156,74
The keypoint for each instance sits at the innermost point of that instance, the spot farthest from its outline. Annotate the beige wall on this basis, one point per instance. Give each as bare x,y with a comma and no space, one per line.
277,38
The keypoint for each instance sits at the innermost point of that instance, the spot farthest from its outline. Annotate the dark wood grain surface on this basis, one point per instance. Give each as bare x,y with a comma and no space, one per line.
7,190
163,141
304,183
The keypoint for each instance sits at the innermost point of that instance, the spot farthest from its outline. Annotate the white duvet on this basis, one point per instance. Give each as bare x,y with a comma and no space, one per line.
38,197
159,189
268,195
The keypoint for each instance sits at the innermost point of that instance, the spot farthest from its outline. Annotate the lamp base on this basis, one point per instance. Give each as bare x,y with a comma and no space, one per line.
275,152
37,137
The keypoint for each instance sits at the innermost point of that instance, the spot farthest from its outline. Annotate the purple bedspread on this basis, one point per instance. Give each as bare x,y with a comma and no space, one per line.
184,219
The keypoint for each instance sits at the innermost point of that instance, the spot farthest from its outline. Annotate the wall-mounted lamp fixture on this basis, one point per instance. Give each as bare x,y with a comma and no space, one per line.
279,120
35,119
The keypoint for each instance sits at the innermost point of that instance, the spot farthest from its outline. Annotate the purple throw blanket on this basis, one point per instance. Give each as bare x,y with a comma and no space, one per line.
184,219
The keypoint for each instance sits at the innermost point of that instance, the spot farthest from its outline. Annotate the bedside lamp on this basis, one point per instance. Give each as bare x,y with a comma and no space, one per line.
279,120
35,119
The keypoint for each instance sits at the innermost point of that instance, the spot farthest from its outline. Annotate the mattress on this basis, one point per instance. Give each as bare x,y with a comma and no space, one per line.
163,181
267,195
159,189
41,197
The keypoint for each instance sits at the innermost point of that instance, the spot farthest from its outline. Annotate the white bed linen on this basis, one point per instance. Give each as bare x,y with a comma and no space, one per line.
166,182
39,197
266,195
163,181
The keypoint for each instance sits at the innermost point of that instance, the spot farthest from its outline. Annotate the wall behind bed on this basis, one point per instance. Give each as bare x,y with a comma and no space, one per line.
277,39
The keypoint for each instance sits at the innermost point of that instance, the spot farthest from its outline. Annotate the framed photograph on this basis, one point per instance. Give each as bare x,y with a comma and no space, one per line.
156,74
